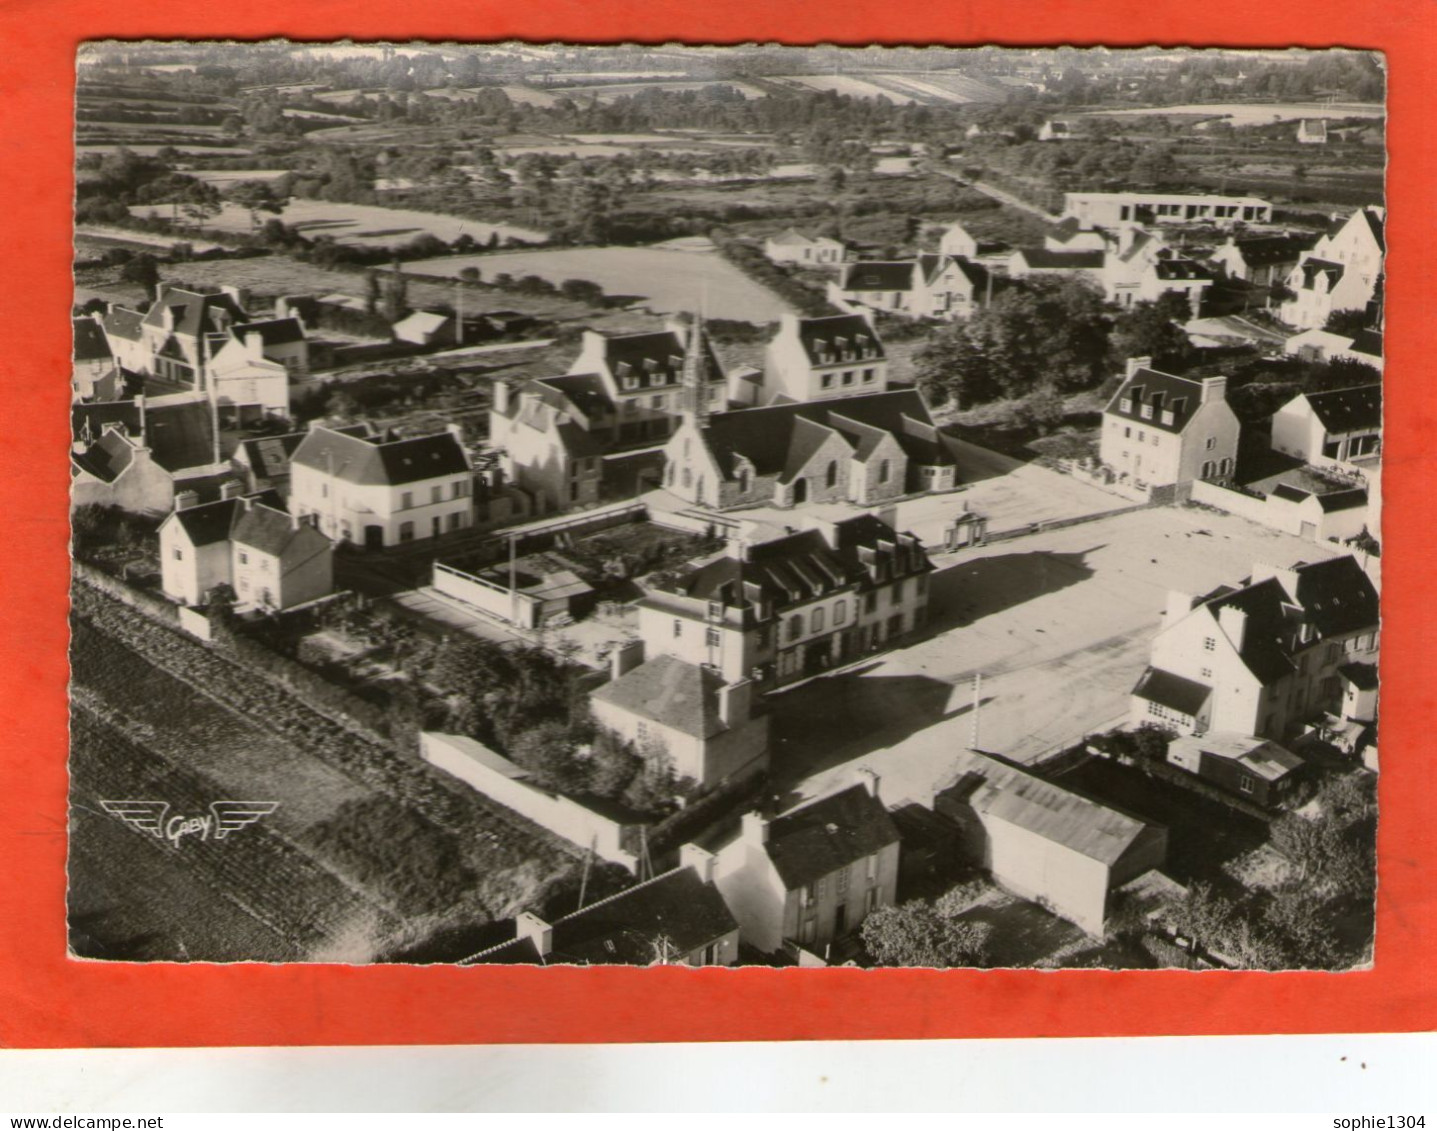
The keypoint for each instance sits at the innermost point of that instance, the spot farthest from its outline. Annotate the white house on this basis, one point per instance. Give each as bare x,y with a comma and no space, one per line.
791,246
247,385
1262,658
801,881
1312,131
1160,429
425,328
382,490
93,376
812,359
552,433
948,287
1343,271
1336,427
1324,345
182,329
956,240
1262,260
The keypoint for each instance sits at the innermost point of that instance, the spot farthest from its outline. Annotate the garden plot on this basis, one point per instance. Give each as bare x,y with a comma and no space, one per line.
666,281
364,224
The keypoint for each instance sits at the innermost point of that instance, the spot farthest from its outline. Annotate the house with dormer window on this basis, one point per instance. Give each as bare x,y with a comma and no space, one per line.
1264,657
1161,430
814,359
1343,271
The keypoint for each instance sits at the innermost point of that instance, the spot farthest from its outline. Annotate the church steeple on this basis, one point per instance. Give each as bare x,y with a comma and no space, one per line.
695,378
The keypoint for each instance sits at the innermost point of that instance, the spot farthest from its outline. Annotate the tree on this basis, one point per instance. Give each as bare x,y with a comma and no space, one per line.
256,197
372,291
1043,410
915,934
1154,329
143,269
396,294
951,368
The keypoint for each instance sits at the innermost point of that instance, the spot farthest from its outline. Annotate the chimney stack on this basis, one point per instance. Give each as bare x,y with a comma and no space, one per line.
501,397
701,860
529,926
1233,622
754,828
625,658
1136,363
736,703
185,499
1214,389
869,779
1178,606
231,489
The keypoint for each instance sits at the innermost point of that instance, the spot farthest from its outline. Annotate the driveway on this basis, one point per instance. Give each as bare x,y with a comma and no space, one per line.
1058,624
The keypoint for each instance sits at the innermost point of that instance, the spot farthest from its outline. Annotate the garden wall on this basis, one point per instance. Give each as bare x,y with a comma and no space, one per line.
507,783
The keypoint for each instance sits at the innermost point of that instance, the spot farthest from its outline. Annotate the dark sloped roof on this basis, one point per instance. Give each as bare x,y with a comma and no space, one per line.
209,522
765,436
1376,225
1288,493
675,912
1337,596
1347,500
1368,342
868,275
107,457
1181,269
1313,267
1348,410
269,455
670,692
820,838
266,529
1186,696
370,460
94,416
659,353
273,331
842,337
585,390
121,322
1361,676
934,265
1042,259
180,436
195,314
1264,251
90,341
1161,391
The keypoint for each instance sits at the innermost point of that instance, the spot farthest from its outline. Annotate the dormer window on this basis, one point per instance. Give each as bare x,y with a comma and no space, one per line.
1125,405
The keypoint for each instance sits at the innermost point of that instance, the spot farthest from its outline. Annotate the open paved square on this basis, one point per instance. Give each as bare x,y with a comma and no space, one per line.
1058,624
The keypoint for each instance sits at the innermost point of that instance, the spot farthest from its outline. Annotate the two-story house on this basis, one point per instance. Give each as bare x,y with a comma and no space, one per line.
1262,658
1340,426
182,329
642,375
813,359
382,490
1343,271
93,375
1143,267
865,449
1160,429
137,454
246,385
551,433
712,730
802,881
783,608
1262,260
271,558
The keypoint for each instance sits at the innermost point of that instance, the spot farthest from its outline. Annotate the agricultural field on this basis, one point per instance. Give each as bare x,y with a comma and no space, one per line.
927,88
666,281
1258,113
611,92
365,224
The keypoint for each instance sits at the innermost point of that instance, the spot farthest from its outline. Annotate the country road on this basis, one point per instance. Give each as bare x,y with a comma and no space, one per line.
1000,196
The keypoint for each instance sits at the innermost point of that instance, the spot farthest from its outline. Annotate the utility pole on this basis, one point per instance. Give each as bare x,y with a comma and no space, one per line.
513,582
977,704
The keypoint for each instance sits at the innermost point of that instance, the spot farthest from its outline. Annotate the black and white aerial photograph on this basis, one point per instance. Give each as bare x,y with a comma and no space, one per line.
726,506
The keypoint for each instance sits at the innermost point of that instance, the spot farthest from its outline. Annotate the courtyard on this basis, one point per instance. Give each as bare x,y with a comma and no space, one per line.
1058,624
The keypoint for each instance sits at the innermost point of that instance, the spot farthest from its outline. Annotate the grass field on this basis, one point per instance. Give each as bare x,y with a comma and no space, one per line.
667,280
365,224
1261,113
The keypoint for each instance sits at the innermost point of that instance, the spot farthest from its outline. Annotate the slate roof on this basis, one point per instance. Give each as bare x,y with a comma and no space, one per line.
626,929
268,529
1163,392
1348,410
1181,269
1041,259
586,390
1004,792
1376,225
121,322
1335,597
268,456
823,339
656,354
767,436
671,692
868,275
1265,251
209,523
371,460
1346,500
1312,268
934,265
803,565
107,457
1185,696
180,436
1361,676
90,341
195,314
1368,342
818,839
273,331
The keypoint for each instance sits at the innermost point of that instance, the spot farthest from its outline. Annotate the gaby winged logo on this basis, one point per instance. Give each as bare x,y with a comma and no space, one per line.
224,818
